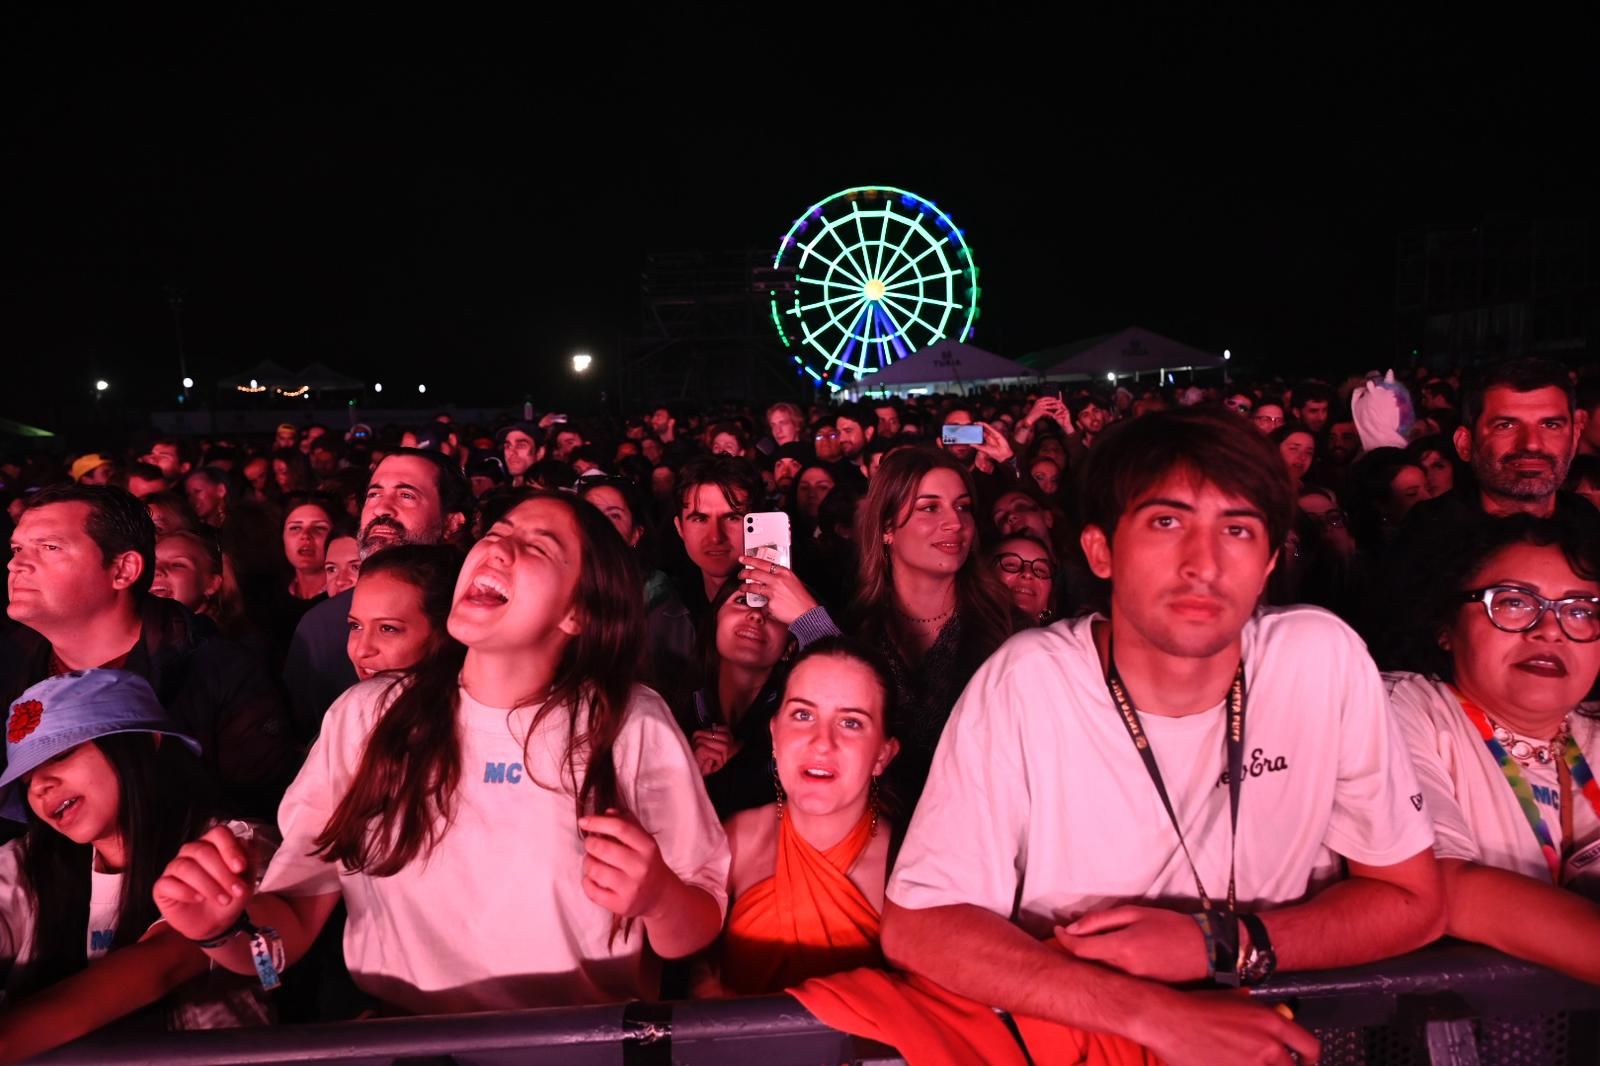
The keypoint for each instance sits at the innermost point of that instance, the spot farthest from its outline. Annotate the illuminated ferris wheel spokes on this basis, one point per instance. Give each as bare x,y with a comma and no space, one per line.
873,283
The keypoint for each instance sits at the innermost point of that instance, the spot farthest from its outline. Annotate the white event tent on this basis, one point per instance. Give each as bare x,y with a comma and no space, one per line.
1128,352
939,367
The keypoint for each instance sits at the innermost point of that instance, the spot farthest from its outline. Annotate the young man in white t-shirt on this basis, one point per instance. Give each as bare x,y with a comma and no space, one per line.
1043,872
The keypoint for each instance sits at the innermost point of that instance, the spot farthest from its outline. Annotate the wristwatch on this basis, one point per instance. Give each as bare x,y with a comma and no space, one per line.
1260,961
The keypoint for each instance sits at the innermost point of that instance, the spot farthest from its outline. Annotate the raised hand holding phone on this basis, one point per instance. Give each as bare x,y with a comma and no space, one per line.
766,538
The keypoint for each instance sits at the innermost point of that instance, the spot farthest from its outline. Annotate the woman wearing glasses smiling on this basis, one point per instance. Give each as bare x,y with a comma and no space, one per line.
1504,742
1026,566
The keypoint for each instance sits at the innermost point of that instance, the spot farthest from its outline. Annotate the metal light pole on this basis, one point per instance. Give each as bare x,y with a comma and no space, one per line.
175,301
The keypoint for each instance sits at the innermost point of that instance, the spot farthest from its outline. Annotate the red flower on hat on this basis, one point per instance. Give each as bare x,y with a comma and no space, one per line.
24,720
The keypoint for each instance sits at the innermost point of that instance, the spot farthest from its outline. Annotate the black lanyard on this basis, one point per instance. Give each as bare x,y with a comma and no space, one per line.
1235,739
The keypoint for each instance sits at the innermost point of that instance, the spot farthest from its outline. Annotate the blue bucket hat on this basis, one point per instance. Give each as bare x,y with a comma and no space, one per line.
62,712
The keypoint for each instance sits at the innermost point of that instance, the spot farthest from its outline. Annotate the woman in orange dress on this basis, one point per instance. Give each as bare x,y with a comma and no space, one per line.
808,873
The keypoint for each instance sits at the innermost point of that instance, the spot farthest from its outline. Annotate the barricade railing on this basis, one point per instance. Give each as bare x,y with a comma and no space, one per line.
1450,1004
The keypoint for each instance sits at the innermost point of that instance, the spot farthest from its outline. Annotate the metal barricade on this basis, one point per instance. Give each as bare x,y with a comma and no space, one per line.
1449,1004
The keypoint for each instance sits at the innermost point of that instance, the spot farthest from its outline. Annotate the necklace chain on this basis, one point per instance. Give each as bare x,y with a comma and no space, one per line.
927,621
1525,751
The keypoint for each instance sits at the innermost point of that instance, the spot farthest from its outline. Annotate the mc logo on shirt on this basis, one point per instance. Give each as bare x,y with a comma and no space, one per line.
497,773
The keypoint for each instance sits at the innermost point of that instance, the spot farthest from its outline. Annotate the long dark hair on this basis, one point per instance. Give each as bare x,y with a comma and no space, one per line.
165,801
402,799
981,601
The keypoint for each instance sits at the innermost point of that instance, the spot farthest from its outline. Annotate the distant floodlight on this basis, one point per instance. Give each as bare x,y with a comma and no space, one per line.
422,388
377,386
254,384
102,385
1226,355
581,362
188,383
1111,377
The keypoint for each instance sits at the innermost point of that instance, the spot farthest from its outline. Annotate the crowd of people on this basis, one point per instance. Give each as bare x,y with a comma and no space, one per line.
1149,691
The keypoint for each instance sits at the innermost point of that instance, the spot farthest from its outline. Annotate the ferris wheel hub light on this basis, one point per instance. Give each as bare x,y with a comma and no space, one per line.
875,289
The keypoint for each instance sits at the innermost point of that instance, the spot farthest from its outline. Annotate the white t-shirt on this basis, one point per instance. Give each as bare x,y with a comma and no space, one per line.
215,1001
495,917
1476,816
17,911
1040,809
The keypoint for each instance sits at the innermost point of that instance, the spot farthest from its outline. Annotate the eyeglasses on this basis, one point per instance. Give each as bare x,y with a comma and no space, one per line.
1242,406
1516,610
829,435
1267,420
1012,563
1332,519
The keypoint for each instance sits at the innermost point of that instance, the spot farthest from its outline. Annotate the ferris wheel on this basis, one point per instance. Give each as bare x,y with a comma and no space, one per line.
879,273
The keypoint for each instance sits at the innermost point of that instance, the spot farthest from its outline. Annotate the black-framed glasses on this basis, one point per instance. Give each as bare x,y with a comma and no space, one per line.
1334,519
1012,563
1516,610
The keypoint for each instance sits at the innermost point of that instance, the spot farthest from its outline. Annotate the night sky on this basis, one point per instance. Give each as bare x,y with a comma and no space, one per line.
468,201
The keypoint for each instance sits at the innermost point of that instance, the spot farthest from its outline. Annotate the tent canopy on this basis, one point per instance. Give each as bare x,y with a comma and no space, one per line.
943,362
266,373
325,379
1130,351
270,375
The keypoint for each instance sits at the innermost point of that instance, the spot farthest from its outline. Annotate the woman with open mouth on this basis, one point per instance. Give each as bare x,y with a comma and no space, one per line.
1504,741
307,522
512,825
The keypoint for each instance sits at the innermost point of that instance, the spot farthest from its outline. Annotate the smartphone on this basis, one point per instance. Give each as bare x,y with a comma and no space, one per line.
766,536
950,433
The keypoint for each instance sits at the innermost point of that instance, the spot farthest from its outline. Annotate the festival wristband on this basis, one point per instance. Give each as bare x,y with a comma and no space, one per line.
1203,920
266,951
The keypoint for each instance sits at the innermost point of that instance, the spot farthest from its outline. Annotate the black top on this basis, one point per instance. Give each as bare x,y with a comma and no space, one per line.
317,669
925,693
745,780
215,690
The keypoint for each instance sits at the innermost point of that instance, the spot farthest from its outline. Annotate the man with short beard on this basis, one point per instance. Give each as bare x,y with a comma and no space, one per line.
1313,405
414,497
1519,430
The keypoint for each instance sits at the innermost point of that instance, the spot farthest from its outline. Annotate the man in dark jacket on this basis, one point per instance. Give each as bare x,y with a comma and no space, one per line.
82,558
